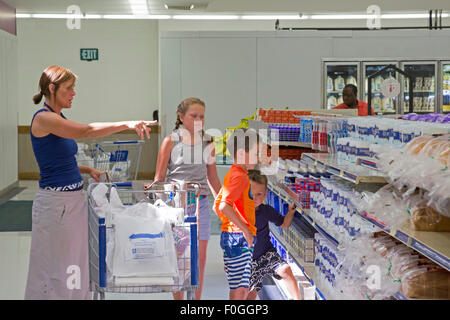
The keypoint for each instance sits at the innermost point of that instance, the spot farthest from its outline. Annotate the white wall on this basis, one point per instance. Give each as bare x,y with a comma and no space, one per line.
235,72
121,85
8,110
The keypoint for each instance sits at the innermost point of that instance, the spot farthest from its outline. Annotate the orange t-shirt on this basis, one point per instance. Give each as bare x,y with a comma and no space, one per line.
363,109
237,193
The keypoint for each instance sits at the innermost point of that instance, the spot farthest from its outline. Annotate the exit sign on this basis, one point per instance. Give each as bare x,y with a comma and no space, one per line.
89,54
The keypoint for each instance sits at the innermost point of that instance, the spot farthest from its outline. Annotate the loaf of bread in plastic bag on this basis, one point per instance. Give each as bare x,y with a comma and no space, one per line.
416,145
438,148
428,219
426,283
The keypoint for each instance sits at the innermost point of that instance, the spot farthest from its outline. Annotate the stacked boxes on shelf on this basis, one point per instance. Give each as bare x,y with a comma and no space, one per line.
284,132
300,235
281,116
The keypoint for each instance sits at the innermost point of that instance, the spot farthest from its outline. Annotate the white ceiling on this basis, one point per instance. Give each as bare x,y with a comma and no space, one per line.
231,6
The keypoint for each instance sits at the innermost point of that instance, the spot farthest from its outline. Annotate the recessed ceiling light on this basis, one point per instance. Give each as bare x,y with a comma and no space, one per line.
206,17
139,7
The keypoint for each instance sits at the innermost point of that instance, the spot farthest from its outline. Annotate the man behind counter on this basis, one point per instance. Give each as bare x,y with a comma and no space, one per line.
349,94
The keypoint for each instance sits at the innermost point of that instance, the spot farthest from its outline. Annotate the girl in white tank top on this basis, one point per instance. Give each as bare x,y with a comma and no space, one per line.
188,155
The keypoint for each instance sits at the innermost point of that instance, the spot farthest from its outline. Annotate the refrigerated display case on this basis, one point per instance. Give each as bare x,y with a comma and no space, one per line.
336,76
445,72
425,88
380,103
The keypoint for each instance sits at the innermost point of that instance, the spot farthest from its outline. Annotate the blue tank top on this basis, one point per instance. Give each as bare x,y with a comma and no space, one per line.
56,160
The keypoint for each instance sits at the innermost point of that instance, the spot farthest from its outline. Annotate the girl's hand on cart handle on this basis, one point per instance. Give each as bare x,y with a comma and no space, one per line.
95,174
141,127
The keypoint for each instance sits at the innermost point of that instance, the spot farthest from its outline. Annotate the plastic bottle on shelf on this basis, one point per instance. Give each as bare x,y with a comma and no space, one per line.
350,80
339,83
378,81
330,84
332,102
377,103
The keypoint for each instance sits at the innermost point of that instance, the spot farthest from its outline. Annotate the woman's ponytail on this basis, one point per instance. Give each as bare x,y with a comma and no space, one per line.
37,98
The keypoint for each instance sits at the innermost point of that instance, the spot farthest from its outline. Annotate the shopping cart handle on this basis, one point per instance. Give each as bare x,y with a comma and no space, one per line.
125,142
123,184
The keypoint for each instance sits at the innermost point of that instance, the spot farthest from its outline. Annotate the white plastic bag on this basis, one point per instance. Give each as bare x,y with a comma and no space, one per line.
144,244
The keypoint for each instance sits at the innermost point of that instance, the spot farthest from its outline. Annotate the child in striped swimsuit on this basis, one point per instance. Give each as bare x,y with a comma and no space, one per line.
235,207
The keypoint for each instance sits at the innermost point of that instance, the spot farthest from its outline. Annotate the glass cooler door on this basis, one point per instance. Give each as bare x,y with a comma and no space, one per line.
336,75
445,86
424,86
380,103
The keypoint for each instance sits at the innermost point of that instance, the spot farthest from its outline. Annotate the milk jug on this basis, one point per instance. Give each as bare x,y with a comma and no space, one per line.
350,80
330,86
376,103
339,83
332,102
378,82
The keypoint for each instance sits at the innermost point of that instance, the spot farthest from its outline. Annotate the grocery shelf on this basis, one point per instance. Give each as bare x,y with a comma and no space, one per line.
434,245
307,268
290,144
286,194
268,141
289,196
344,169
400,296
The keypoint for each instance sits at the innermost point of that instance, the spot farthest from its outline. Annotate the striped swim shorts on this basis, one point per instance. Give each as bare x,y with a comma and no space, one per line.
237,257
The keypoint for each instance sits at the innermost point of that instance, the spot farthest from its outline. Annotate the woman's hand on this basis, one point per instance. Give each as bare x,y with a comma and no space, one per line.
141,127
95,174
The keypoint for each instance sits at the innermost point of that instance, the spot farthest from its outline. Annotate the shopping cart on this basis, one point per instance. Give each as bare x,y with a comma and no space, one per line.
120,159
101,230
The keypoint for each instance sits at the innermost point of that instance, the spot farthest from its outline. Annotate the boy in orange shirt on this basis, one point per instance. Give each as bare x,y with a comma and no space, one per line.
235,207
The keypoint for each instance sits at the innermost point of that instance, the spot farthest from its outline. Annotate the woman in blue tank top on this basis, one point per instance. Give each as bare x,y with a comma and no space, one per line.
59,265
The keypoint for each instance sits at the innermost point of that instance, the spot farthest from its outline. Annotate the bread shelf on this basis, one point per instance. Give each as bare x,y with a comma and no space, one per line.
287,195
434,245
344,169
290,144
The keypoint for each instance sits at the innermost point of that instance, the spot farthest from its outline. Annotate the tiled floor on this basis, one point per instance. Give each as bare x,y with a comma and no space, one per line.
15,250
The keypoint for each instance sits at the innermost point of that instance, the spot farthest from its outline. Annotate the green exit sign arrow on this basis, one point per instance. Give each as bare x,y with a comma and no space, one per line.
89,54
